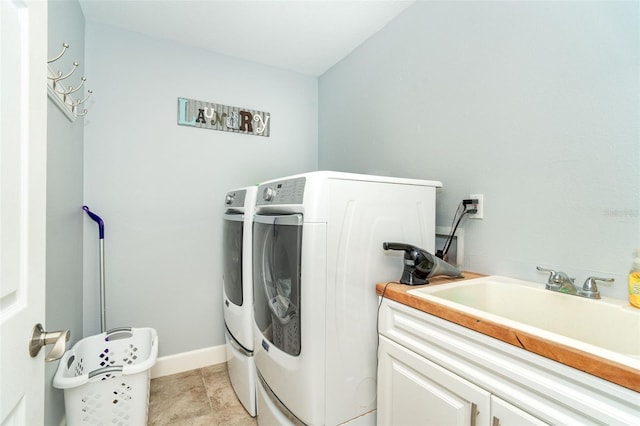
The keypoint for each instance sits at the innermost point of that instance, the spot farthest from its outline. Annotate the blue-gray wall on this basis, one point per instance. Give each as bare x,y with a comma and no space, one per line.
533,104
64,196
160,187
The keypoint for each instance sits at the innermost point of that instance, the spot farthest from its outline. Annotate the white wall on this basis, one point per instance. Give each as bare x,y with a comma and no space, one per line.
533,104
64,197
159,187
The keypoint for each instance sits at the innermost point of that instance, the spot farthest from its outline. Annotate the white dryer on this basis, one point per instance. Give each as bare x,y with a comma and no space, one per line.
237,293
317,240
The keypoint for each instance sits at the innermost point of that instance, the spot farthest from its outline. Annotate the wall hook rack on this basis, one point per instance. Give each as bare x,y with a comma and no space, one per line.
71,89
59,94
65,46
76,103
59,77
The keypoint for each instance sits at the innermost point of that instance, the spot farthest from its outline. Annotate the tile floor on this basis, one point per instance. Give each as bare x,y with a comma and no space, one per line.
197,397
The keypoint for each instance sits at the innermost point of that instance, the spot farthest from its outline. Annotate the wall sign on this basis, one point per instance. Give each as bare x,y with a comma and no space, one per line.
211,116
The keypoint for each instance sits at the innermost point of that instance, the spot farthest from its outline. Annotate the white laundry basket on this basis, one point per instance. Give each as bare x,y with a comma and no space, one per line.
106,377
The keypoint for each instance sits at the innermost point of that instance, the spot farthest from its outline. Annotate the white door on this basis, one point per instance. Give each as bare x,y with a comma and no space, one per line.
23,120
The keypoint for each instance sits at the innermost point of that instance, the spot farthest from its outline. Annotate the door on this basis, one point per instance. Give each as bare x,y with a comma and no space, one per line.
238,309
415,391
23,120
506,414
277,244
232,237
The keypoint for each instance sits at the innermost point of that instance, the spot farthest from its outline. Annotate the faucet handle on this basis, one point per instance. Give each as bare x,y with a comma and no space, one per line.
555,277
559,280
591,287
551,272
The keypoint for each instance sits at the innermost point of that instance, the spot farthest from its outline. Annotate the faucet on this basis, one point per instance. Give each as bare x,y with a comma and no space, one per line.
561,282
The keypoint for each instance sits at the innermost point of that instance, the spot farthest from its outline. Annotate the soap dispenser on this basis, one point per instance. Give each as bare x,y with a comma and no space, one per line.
634,280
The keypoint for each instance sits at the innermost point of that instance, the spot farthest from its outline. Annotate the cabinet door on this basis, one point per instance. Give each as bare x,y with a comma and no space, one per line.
506,414
415,391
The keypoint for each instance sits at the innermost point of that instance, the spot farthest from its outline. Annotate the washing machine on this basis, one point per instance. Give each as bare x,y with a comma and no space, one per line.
317,241
237,293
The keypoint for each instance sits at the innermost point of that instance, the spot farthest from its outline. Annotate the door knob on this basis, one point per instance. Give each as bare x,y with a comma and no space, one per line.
40,338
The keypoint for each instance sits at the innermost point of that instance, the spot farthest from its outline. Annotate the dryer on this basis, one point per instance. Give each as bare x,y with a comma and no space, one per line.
237,293
317,241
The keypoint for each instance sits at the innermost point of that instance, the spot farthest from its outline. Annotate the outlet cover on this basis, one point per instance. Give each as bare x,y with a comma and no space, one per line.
480,206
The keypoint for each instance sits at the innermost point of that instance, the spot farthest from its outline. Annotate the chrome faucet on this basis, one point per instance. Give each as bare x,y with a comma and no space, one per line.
559,281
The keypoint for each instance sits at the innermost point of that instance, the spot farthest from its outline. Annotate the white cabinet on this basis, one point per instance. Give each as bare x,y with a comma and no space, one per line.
505,414
414,391
434,372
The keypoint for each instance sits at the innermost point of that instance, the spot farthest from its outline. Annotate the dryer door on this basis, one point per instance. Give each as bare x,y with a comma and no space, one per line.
277,242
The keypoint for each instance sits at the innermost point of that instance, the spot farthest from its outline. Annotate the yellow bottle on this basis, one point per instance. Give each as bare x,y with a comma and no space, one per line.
634,280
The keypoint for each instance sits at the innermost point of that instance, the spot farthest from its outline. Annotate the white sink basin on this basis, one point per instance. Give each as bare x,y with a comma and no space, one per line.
605,327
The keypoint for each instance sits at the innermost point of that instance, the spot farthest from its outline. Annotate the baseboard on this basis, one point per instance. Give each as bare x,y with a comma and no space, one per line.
185,361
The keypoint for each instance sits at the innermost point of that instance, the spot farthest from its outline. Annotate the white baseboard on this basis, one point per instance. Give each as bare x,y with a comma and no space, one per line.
185,361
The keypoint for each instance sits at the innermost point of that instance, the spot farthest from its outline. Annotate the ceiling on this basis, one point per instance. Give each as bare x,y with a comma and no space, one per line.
305,36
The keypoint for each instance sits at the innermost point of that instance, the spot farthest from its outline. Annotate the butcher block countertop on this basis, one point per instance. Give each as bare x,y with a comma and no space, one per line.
622,375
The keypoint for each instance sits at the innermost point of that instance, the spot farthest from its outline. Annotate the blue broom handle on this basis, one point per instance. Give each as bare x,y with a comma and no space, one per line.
103,315
98,220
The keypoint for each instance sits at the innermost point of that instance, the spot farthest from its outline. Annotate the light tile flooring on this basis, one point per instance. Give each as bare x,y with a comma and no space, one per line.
197,397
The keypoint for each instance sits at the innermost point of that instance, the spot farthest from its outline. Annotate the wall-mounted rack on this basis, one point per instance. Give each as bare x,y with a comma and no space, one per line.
61,95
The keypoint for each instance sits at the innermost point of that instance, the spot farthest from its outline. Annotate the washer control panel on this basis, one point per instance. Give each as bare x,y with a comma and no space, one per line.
290,191
235,198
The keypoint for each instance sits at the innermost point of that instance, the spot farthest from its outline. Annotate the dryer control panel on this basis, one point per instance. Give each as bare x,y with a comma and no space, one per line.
290,191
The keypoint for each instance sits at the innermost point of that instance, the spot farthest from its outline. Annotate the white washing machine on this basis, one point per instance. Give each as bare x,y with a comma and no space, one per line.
237,293
318,255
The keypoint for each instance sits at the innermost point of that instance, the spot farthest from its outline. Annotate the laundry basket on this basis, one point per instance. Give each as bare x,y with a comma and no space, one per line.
286,335
106,377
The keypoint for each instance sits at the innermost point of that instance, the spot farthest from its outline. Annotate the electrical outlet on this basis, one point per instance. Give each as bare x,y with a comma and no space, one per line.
480,206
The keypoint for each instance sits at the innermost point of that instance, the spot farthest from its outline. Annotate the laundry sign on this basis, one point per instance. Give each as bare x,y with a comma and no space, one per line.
207,115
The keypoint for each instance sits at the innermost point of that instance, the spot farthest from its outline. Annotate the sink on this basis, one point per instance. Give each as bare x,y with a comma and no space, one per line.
605,327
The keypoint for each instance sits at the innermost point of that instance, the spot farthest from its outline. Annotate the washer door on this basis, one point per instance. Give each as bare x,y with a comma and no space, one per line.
232,253
277,242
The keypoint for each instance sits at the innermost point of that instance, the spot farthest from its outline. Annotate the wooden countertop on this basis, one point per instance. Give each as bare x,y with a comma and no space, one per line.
620,374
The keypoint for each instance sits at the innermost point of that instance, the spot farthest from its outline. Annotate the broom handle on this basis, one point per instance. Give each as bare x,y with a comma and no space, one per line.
100,222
